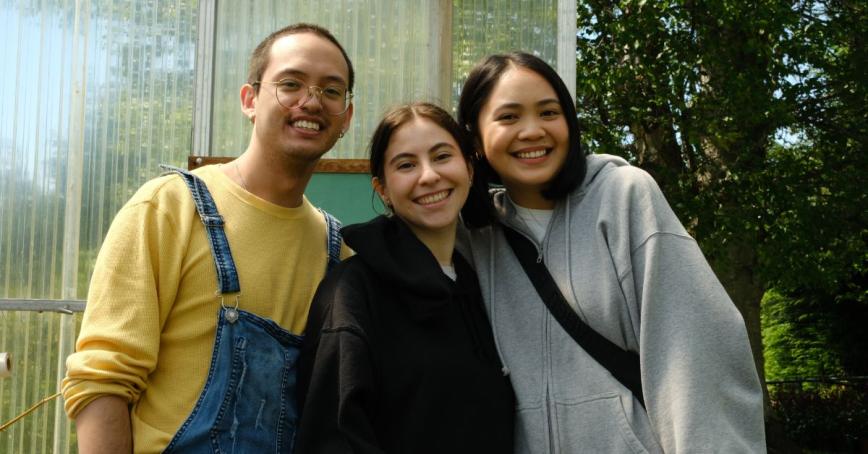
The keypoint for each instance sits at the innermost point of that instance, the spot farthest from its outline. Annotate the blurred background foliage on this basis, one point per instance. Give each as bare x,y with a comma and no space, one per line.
753,117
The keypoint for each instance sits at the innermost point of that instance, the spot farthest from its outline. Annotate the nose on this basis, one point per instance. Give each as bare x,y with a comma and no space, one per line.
531,130
313,93
429,175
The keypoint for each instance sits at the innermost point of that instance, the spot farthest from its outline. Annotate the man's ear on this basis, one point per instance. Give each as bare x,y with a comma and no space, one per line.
348,116
248,101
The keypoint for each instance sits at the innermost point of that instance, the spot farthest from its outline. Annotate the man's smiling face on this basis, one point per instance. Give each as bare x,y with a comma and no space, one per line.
305,132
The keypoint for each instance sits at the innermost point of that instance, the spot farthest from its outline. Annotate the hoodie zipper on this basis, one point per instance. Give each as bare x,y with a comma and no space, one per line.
548,405
546,342
537,246
547,354
546,335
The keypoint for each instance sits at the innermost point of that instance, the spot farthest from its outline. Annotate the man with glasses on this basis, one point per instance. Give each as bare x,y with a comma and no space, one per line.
203,283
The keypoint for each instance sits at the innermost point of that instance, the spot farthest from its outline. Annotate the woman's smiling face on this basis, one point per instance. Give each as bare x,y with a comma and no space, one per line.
524,135
426,179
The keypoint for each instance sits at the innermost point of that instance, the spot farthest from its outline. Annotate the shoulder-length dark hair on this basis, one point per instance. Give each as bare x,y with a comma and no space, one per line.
475,93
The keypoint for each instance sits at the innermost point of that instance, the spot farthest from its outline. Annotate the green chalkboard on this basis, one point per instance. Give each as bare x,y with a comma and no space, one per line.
347,196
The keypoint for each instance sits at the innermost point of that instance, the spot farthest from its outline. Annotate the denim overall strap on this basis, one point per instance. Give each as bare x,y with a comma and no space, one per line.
333,240
248,401
227,274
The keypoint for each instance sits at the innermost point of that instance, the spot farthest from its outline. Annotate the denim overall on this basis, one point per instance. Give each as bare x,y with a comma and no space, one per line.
248,403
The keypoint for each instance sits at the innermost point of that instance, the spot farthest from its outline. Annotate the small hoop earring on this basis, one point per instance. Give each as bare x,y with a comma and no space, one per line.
341,135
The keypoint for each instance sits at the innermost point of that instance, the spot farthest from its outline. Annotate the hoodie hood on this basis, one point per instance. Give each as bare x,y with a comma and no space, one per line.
600,164
393,252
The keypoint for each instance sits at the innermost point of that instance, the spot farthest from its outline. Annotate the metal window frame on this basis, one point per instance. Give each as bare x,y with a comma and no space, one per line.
201,146
440,12
201,133
203,91
64,306
567,44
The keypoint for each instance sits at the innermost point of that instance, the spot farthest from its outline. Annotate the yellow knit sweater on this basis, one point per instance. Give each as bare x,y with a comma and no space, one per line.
150,322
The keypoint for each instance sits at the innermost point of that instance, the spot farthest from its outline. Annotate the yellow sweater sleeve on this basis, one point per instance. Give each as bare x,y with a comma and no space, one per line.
149,325
135,278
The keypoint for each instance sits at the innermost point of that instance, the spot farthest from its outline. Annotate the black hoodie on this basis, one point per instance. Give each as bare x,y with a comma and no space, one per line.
398,358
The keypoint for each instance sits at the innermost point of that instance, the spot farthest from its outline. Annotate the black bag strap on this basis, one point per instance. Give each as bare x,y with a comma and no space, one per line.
622,364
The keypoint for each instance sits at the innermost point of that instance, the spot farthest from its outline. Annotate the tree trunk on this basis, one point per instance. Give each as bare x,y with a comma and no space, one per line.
736,270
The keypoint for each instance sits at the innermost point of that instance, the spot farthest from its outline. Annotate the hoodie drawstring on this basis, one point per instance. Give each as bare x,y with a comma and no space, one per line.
568,237
491,274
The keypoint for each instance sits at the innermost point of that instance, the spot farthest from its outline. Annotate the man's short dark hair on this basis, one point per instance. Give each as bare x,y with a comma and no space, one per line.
259,59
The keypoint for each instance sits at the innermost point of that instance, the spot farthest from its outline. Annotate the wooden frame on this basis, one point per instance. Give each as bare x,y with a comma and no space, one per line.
323,166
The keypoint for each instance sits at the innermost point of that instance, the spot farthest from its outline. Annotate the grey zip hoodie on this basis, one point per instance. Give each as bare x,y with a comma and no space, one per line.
616,249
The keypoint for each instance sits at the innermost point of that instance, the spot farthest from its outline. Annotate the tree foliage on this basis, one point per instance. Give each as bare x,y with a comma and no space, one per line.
751,116
815,251
686,91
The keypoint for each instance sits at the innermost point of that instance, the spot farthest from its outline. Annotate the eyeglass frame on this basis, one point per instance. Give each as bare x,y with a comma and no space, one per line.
348,96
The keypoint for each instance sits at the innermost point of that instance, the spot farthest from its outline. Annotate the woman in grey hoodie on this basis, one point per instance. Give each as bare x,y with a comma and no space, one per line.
624,264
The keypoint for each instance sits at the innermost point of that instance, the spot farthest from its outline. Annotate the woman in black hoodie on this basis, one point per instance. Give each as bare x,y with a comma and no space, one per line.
399,356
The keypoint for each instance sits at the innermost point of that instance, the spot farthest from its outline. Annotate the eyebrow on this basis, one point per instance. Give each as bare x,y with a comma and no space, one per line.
440,145
301,74
435,147
516,105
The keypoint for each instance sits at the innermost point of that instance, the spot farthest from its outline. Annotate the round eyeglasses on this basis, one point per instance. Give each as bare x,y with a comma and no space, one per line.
292,93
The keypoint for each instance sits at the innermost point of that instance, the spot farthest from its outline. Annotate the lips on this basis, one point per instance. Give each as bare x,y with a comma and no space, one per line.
433,198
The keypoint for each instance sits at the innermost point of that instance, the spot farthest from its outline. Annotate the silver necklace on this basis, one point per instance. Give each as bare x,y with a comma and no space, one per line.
240,177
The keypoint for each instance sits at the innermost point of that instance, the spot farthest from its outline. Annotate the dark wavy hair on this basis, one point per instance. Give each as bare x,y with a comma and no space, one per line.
405,113
475,93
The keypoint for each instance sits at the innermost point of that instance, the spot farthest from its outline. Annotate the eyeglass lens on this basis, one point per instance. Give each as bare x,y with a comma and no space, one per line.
334,100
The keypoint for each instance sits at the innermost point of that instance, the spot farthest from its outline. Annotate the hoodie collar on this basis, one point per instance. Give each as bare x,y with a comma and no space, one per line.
598,165
389,248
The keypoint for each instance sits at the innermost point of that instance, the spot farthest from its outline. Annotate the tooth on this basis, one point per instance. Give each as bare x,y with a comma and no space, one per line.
307,125
531,154
434,198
